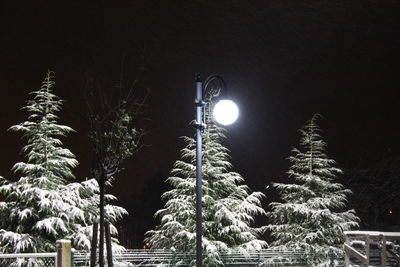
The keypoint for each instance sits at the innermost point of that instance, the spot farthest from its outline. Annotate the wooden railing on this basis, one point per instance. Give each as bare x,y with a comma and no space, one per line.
372,248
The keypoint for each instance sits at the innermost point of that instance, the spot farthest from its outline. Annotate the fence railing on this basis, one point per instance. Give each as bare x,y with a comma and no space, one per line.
28,260
152,257
361,248
61,258
372,248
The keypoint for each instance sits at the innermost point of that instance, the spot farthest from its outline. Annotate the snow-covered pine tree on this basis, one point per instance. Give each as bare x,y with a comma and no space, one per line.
312,215
43,206
228,210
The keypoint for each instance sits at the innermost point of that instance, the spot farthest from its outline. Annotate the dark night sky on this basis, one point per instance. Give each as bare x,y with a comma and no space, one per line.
283,60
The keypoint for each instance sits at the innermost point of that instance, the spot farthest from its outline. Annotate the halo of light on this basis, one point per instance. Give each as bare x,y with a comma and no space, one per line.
225,112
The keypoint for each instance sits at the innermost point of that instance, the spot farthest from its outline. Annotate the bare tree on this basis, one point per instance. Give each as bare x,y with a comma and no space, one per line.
114,138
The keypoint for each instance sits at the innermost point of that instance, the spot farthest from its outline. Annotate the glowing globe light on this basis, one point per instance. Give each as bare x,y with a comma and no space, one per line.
225,112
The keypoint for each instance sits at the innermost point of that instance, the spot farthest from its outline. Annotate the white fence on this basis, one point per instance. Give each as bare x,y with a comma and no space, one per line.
28,259
141,257
61,258
366,249
149,258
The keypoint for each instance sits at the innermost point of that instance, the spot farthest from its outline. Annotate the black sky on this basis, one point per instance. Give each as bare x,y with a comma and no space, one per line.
283,60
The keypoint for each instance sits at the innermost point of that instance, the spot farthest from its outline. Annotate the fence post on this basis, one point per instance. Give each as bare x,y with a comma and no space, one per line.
72,257
367,249
173,260
64,253
383,250
346,254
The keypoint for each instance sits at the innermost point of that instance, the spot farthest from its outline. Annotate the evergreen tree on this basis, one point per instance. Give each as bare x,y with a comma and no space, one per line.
312,215
228,207
43,205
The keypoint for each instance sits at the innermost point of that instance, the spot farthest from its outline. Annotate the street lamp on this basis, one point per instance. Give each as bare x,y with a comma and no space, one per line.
225,112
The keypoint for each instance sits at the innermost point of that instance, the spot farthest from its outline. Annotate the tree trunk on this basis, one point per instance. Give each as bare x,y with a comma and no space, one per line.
94,245
101,239
109,244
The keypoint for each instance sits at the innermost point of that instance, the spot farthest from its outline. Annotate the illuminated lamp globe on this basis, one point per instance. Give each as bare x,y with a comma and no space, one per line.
225,112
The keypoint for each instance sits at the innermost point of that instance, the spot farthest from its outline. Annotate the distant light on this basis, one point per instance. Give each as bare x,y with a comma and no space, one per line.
226,112
390,211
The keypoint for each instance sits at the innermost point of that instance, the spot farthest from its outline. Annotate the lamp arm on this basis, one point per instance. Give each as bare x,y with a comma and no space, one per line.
221,82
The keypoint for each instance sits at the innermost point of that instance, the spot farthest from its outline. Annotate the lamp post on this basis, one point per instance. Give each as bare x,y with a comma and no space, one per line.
225,112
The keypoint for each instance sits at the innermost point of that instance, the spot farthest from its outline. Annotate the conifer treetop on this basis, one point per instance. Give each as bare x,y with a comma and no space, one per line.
44,148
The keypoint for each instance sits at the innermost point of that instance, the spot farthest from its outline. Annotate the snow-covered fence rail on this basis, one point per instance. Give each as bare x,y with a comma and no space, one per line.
372,248
278,258
61,258
138,257
264,257
29,259
141,257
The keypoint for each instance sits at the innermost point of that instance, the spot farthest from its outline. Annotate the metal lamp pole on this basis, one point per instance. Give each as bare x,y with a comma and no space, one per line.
200,126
